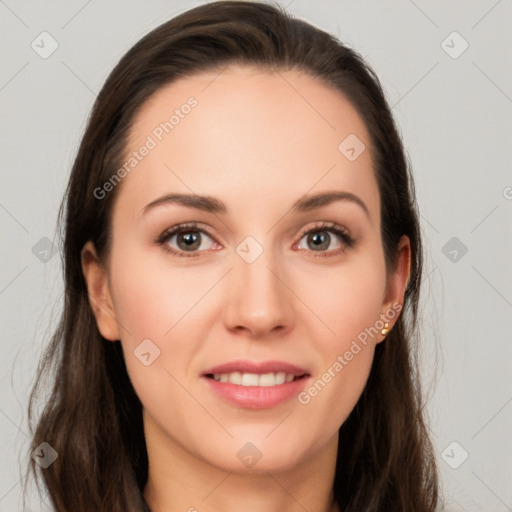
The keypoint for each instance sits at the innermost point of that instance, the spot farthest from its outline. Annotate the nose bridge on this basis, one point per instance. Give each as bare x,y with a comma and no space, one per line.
259,301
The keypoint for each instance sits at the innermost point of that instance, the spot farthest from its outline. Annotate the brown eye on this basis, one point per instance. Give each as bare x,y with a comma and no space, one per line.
188,240
185,240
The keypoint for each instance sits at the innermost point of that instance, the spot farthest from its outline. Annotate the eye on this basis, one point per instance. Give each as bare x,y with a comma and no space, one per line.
320,239
189,240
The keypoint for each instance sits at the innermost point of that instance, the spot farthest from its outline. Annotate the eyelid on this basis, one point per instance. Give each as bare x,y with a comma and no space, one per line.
325,226
192,226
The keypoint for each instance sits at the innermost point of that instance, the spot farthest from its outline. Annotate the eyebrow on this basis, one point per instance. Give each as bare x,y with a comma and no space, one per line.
212,205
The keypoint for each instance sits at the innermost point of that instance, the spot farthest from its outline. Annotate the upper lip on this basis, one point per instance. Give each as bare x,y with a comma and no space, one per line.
261,367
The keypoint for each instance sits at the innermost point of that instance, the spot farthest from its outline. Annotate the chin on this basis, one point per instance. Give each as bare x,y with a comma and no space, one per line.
257,456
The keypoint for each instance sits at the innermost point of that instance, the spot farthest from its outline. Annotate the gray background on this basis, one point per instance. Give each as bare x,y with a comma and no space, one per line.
454,110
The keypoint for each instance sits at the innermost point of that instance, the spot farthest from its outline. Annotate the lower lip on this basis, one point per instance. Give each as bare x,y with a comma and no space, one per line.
256,397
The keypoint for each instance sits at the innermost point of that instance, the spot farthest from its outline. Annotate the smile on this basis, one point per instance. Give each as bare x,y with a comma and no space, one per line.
255,385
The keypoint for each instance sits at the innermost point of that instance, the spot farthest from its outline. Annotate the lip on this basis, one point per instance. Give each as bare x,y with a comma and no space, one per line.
256,397
262,367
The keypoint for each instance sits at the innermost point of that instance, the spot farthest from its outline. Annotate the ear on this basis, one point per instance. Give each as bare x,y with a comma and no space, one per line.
98,291
397,281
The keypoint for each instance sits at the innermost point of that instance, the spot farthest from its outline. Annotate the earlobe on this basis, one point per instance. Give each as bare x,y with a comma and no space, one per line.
98,290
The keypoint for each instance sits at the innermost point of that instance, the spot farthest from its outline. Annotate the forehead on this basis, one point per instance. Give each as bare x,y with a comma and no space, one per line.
262,100
247,130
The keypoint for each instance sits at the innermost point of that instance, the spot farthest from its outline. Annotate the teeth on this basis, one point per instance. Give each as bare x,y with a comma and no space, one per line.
280,378
267,379
235,378
250,379
255,379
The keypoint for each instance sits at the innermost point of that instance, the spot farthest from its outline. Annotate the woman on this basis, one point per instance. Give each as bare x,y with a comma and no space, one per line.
242,273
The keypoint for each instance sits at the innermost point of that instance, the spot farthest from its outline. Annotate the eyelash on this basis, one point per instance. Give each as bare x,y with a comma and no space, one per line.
343,233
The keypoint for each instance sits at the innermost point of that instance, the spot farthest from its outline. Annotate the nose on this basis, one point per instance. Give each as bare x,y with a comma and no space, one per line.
259,301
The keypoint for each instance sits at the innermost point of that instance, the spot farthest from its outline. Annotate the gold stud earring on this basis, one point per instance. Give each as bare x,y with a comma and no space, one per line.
385,330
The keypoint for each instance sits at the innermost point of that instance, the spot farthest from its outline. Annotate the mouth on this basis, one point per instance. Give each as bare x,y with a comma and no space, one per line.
251,385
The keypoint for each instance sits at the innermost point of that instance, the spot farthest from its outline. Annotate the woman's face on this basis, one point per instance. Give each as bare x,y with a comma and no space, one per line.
261,284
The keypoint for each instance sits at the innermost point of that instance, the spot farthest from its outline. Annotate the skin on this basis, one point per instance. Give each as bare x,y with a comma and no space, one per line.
258,144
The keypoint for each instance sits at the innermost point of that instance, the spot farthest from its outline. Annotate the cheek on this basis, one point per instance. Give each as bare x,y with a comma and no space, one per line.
151,297
156,302
347,299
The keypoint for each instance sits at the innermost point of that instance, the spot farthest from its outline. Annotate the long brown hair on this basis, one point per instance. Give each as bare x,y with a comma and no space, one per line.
92,416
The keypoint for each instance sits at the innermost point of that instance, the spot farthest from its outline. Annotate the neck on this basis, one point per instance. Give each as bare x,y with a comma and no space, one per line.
180,481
